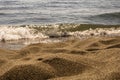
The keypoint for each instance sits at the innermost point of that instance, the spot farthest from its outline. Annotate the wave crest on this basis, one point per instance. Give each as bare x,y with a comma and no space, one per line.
16,33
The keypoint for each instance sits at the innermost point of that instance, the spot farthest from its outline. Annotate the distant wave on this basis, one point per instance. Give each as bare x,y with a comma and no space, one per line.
15,8
1,14
114,15
9,1
106,18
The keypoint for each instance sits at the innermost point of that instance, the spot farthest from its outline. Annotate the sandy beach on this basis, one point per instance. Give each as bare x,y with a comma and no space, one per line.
89,59
59,39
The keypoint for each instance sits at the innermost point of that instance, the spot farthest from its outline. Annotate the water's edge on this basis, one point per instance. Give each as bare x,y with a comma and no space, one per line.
17,37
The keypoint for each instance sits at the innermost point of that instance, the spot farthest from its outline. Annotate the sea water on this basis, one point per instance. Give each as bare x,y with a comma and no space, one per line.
59,11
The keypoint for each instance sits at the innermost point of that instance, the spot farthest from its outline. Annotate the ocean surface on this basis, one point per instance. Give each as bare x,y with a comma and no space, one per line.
59,11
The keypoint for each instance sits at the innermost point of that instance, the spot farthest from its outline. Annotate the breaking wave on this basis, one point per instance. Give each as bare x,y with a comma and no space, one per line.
16,33
33,32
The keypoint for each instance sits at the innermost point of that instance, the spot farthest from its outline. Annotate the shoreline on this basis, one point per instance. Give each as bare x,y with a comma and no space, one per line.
57,32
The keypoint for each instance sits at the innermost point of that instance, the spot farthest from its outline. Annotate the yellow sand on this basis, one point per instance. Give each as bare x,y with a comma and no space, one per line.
90,59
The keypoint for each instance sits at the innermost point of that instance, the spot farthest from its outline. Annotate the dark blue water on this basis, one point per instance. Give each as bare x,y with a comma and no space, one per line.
59,11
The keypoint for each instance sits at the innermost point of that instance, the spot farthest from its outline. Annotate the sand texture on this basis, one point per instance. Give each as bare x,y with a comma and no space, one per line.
90,59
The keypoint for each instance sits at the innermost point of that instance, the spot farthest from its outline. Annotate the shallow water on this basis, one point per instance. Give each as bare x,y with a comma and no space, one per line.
59,11
19,44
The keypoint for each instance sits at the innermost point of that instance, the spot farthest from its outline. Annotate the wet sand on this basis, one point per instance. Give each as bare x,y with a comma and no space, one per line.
89,59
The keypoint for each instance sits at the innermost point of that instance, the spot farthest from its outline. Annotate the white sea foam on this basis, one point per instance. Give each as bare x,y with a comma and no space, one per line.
97,33
16,33
29,32
19,37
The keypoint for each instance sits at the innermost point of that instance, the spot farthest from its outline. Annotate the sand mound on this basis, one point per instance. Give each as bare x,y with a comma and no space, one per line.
78,52
28,72
113,76
92,49
109,41
31,49
114,46
2,62
49,45
26,59
27,51
65,67
43,48
86,44
95,44
56,50
89,59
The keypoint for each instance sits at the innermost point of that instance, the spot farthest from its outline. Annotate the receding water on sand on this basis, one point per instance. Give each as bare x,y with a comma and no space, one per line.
19,44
